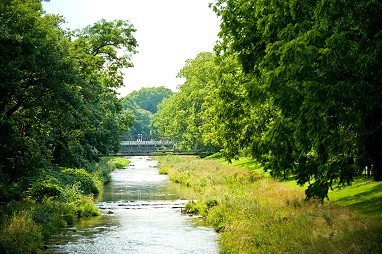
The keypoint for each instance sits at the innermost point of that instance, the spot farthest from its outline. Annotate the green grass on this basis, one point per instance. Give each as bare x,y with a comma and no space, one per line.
364,196
256,214
120,162
20,235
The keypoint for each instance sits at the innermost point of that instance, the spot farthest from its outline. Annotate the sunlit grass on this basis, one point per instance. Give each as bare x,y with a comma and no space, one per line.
256,214
364,196
120,162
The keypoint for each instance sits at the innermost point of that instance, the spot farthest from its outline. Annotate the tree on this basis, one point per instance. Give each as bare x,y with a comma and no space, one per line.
143,104
36,82
98,129
318,62
142,118
148,98
181,115
57,100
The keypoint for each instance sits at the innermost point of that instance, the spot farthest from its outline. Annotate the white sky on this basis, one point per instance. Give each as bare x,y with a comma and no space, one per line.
168,33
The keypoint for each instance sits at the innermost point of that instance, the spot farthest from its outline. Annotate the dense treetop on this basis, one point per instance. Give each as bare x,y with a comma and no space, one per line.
143,104
295,83
57,100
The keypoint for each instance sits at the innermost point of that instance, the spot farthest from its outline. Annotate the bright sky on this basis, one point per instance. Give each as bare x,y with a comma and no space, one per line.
168,33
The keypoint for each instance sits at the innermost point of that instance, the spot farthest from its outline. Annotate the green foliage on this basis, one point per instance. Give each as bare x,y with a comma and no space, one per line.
57,100
58,197
53,184
142,118
120,162
87,183
149,98
106,165
305,97
43,189
85,207
143,104
182,115
54,200
163,171
52,216
59,113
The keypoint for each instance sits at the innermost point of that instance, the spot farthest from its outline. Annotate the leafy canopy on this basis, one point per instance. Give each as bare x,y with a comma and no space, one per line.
318,63
57,100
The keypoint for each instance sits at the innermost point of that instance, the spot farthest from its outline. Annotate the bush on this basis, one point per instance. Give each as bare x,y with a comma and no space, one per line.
106,165
52,216
163,171
85,207
42,189
87,183
46,203
80,205
120,162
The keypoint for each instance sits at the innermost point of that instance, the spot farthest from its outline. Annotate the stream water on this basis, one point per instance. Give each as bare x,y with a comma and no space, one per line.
141,214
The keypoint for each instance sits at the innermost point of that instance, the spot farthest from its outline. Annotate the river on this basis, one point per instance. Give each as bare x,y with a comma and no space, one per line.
141,214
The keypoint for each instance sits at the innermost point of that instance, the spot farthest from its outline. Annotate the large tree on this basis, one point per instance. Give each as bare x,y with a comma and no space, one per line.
57,100
143,105
148,98
318,63
182,115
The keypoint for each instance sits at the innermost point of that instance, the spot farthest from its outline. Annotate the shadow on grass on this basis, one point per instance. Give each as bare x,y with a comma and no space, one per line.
368,240
368,203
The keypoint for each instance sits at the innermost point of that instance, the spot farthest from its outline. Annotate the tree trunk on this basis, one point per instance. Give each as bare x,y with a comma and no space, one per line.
377,169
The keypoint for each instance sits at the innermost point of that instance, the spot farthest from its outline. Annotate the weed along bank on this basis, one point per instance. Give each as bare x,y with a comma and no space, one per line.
140,213
253,213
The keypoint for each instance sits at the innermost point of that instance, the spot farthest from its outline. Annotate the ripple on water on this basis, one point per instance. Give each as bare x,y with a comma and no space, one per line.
142,214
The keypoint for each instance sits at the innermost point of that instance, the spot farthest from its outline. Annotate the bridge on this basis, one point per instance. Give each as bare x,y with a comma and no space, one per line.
142,146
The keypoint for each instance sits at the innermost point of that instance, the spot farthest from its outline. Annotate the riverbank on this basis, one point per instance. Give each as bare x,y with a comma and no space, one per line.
142,214
38,206
256,214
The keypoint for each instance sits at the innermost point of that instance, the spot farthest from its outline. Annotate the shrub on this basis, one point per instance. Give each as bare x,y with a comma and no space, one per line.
163,171
42,189
52,216
88,183
80,205
85,207
120,162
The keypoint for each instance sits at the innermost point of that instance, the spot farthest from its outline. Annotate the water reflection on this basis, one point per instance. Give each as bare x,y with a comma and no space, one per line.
140,182
141,215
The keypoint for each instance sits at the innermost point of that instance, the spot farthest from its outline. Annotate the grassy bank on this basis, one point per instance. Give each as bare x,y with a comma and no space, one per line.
36,207
255,214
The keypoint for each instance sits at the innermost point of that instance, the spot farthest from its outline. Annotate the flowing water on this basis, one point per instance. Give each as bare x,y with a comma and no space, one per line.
141,214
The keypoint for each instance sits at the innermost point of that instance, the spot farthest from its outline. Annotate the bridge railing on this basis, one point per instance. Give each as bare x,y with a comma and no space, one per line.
147,143
142,145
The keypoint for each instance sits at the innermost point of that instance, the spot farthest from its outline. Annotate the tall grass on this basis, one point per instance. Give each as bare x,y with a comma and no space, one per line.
255,214
20,235
50,201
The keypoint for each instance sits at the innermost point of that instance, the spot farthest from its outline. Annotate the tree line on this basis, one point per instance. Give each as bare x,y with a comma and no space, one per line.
58,100
296,84
143,105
